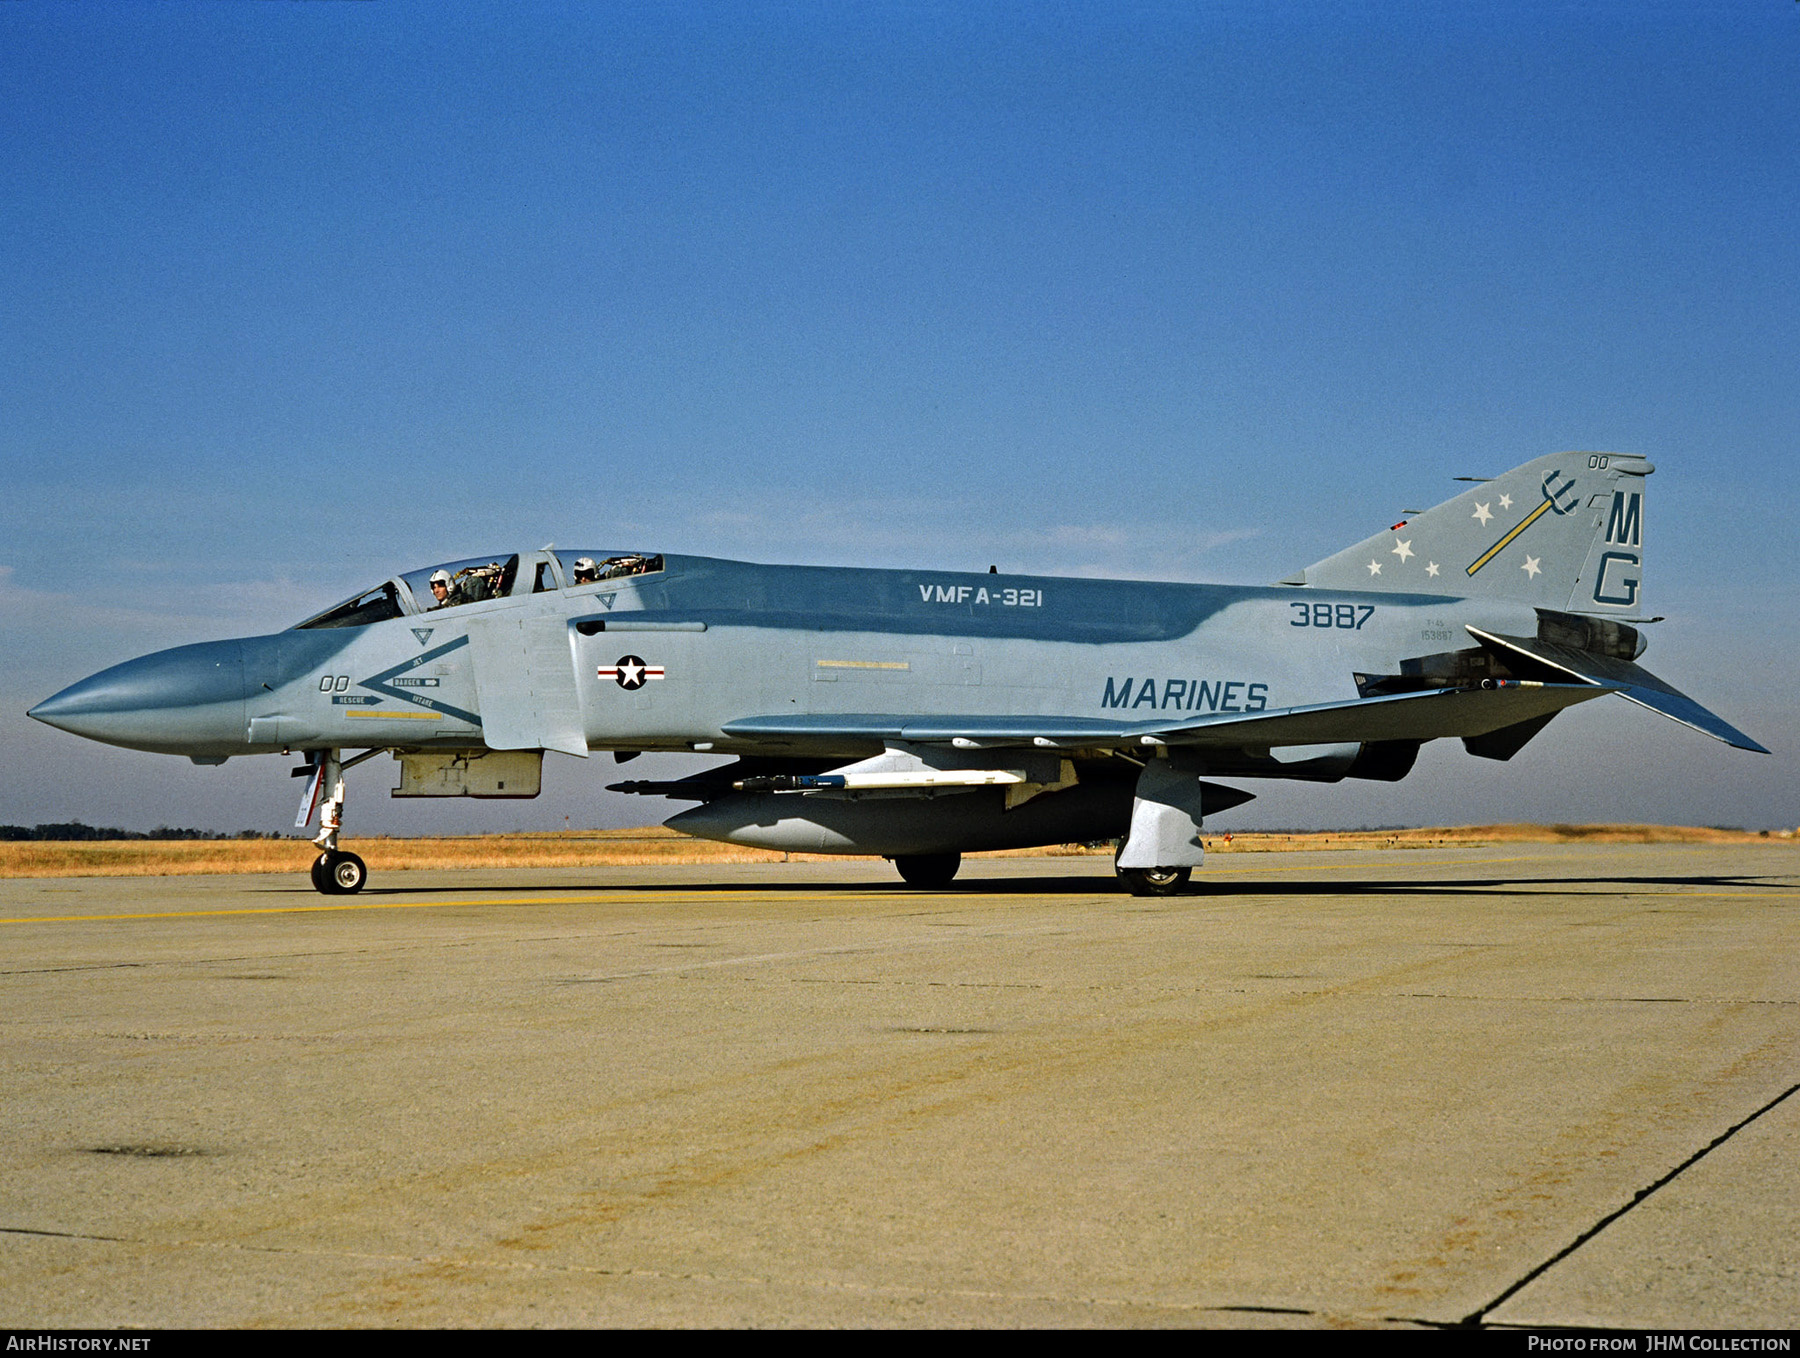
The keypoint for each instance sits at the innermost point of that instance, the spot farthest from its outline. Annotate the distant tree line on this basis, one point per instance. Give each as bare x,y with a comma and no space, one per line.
76,830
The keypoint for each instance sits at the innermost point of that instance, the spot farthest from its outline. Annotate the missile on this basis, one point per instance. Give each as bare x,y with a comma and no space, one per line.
923,780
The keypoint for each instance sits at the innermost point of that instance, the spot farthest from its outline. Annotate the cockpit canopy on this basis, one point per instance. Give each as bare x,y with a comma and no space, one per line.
479,579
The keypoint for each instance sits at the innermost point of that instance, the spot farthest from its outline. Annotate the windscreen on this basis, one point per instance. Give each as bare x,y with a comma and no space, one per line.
375,605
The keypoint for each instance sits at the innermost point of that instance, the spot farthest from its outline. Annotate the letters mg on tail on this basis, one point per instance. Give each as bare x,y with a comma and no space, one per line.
921,715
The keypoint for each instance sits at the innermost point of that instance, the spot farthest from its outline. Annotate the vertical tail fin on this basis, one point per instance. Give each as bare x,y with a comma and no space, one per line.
1563,532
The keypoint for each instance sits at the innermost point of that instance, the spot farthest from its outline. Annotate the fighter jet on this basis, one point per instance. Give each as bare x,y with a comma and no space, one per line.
923,714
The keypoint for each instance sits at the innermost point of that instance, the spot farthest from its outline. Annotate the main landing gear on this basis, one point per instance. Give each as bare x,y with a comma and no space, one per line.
1154,881
335,872
928,870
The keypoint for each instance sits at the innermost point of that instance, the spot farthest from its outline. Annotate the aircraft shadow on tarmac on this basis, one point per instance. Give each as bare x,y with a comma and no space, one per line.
1488,886
1200,890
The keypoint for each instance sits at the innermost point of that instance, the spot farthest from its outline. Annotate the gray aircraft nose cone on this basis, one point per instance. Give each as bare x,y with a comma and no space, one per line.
189,700
63,711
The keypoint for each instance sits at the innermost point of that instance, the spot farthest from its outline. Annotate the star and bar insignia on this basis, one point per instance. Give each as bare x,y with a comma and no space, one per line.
632,672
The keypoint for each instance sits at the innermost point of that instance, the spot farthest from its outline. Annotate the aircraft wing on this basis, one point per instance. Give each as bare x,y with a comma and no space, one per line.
1622,677
1404,716
1427,715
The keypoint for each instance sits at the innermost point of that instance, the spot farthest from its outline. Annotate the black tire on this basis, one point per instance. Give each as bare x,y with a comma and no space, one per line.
928,870
1155,881
347,874
320,874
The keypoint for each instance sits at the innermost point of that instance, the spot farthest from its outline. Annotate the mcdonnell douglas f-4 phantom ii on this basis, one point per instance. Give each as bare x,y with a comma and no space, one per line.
921,715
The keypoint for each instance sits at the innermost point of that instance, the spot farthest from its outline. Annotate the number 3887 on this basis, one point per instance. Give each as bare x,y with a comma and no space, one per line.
1351,617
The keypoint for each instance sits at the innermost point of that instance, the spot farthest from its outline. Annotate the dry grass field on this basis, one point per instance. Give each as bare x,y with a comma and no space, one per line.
591,848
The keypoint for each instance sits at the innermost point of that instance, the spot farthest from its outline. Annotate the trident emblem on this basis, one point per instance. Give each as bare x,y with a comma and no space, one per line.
1553,500
1553,494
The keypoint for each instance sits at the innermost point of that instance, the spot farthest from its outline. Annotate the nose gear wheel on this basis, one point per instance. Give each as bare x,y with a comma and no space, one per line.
336,873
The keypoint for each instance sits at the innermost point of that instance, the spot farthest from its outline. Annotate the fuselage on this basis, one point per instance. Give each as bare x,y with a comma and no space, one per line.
734,657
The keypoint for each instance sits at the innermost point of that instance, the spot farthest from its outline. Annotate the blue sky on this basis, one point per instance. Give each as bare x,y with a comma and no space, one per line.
294,296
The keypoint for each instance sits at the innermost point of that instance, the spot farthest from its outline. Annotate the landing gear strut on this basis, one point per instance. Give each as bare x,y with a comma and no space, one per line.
334,872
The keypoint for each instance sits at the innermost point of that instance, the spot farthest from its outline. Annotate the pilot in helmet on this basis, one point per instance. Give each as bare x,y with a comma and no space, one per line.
440,587
587,571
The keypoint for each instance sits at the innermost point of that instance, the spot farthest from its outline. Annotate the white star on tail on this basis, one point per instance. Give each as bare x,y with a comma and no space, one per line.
1403,549
1531,567
1431,568
1483,513
1506,502
1374,568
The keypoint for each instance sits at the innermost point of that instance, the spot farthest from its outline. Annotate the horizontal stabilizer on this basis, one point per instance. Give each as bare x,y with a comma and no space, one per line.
1395,717
1621,676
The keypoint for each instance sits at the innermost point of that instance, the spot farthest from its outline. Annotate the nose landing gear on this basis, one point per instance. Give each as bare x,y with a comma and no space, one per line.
335,872
338,874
